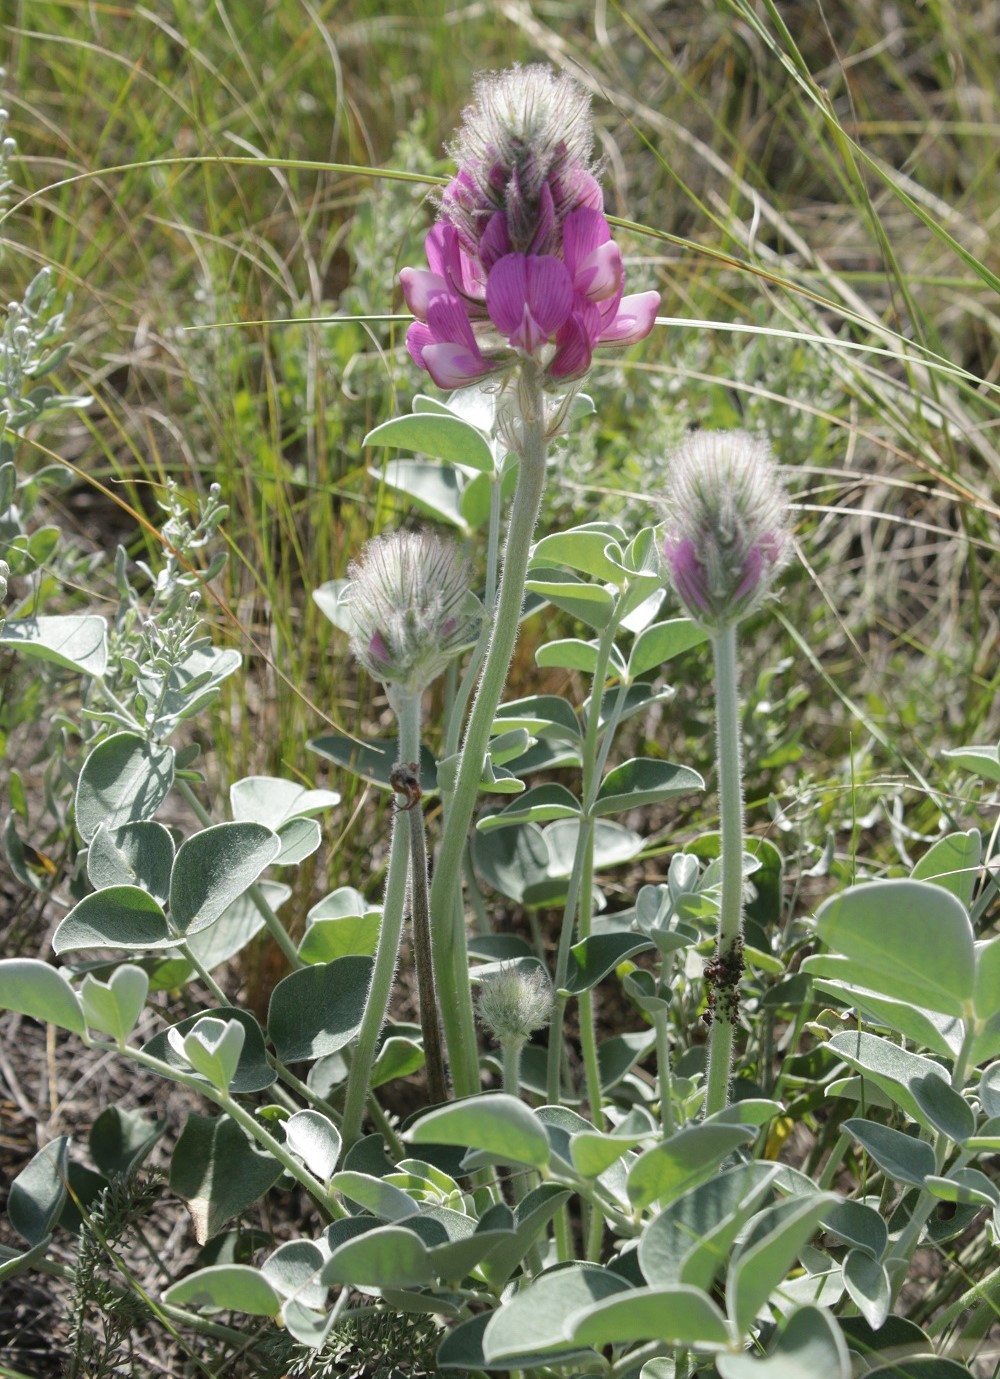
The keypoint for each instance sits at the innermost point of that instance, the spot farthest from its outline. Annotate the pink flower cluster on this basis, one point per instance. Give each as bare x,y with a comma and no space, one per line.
727,534
521,262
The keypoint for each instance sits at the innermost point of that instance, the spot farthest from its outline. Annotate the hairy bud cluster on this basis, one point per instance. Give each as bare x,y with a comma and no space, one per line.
727,529
521,262
514,1002
412,608
523,151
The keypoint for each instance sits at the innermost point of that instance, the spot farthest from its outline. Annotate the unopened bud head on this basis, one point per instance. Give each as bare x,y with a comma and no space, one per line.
412,608
524,150
727,529
514,1002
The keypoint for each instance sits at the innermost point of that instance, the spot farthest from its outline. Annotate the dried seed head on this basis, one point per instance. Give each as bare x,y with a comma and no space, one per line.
412,608
727,529
514,1002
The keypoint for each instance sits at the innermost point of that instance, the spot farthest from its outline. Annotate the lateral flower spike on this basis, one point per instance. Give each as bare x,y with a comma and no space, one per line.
727,530
412,608
521,263
513,1003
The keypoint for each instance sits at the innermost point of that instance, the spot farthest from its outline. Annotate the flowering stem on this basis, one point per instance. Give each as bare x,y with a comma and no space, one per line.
585,1014
456,712
408,715
579,898
447,917
729,951
437,1082
902,1250
663,1077
510,1052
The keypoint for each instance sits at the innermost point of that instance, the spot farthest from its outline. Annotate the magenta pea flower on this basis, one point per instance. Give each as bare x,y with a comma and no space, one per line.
446,345
727,531
521,263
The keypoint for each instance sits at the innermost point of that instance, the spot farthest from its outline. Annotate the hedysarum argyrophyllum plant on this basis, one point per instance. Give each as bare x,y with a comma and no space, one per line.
523,282
727,536
594,1216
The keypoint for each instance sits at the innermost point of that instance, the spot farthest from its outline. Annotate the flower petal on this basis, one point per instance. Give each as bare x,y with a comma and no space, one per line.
573,188
687,574
495,241
449,321
583,231
440,246
575,343
550,292
600,275
633,320
446,346
419,285
418,337
454,366
528,298
592,257
506,292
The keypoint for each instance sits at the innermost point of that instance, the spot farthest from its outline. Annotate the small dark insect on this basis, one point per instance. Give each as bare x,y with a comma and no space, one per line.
405,780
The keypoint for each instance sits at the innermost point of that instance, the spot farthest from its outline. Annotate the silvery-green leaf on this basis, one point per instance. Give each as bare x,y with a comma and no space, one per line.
124,779
72,641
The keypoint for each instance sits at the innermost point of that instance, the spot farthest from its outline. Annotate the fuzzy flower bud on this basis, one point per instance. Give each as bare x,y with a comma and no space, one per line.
523,151
412,608
727,529
521,263
514,1002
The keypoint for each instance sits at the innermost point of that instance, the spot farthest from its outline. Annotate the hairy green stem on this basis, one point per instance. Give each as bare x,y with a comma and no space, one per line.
556,1038
391,929
925,1204
214,988
902,1251
381,1122
595,1233
423,962
447,914
456,712
510,1056
664,1081
633,1360
729,952
591,1065
579,896
984,1293
832,1165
